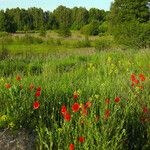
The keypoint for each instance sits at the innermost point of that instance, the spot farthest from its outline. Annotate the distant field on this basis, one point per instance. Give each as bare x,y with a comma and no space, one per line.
70,92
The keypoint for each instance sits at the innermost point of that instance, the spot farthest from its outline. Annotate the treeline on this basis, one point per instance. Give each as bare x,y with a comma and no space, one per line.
12,20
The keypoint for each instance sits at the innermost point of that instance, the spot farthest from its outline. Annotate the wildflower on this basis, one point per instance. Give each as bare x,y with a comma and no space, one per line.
75,107
63,109
133,79
88,104
107,113
142,77
38,93
18,78
7,86
81,139
39,88
117,99
107,101
132,84
145,110
71,146
36,105
67,116
75,95
31,86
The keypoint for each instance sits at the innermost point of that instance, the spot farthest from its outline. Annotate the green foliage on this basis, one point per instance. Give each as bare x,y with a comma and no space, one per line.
83,43
28,39
103,44
63,16
64,32
79,17
91,29
2,21
133,34
42,33
103,28
128,21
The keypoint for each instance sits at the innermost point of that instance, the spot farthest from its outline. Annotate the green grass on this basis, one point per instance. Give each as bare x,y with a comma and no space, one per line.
96,76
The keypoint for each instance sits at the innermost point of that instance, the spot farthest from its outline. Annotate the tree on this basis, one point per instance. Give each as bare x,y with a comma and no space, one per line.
128,10
80,17
96,14
36,16
10,23
128,22
63,16
2,21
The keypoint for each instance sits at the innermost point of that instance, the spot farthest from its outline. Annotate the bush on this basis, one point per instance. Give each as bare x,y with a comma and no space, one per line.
42,33
103,28
91,29
133,34
64,32
102,44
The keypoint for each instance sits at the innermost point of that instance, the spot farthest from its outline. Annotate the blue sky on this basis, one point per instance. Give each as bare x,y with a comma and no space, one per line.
52,4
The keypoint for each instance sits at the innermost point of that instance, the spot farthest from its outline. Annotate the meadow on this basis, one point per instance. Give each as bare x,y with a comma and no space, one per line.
77,93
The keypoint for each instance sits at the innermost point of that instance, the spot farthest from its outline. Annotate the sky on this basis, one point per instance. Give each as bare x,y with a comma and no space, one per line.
52,4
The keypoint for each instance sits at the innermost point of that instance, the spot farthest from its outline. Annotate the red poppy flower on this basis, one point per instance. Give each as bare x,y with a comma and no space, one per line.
117,99
67,116
133,78
36,105
107,113
38,93
63,109
142,77
107,101
145,110
31,86
81,139
39,88
75,107
18,78
88,104
71,146
132,84
75,96
7,86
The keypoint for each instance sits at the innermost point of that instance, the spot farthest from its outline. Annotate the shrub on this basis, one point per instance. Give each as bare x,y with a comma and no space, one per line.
64,32
42,33
91,29
133,34
103,28
102,44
